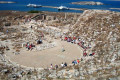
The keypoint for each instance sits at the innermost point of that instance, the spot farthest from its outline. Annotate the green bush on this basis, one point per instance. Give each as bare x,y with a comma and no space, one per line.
34,11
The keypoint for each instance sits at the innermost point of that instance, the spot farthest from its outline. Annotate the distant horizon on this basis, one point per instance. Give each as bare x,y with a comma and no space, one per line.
21,5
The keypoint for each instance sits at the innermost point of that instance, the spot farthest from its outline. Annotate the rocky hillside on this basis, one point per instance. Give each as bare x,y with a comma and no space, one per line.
103,29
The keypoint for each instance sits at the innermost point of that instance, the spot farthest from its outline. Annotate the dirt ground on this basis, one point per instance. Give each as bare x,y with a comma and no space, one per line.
49,56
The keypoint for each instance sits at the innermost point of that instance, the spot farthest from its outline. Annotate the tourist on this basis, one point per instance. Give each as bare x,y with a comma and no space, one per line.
79,39
72,41
39,41
89,45
62,65
74,38
32,45
63,49
76,41
31,27
65,64
69,39
92,54
65,38
84,54
29,47
80,43
78,61
81,59
7,31
51,66
26,45
73,62
56,66
84,47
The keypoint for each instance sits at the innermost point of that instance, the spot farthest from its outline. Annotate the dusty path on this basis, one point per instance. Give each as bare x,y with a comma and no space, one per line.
45,57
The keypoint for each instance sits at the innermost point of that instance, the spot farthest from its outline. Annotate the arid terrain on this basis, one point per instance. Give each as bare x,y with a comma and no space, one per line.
32,44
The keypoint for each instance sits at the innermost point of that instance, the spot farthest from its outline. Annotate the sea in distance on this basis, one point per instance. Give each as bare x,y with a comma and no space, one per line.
20,5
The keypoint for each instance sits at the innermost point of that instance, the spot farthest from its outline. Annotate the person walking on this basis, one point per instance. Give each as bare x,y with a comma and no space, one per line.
65,64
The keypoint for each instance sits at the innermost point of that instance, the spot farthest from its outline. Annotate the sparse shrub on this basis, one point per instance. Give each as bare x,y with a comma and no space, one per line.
34,11
2,39
2,50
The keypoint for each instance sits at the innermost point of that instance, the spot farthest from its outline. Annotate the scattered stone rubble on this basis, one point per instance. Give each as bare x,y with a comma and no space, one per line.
100,28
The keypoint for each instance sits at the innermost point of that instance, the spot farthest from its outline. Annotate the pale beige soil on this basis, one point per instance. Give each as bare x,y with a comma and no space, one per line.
45,57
